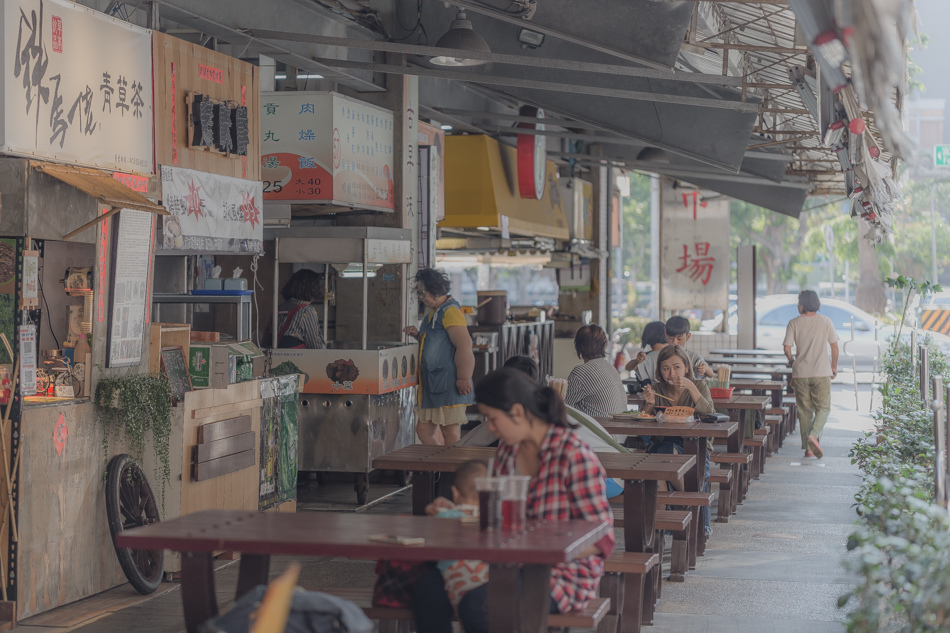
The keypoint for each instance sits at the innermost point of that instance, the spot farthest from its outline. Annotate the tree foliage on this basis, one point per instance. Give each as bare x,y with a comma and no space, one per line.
778,238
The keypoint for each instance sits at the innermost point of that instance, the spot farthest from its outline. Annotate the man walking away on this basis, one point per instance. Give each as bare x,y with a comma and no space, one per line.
811,333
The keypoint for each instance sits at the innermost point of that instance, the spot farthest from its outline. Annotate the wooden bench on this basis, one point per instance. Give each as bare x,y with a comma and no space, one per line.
623,583
739,463
695,501
776,424
789,401
398,620
723,477
678,522
756,446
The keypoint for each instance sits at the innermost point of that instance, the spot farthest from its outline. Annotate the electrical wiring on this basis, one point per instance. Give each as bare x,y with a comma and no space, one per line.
39,280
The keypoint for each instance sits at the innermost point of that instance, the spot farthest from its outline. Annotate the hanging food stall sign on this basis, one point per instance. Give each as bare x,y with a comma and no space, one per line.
694,257
77,86
532,155
210,213
324,147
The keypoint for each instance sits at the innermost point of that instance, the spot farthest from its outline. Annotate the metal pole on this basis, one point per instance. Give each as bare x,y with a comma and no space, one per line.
273,323
933,235
326,299
655,242
940,445
365,291
924,377
946,433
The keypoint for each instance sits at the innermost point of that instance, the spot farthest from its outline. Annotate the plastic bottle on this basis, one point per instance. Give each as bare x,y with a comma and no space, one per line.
79,358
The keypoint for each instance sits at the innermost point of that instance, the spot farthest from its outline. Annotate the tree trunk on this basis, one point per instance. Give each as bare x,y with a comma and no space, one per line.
870,296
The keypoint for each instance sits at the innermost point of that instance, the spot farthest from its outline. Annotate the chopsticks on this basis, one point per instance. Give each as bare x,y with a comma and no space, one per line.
660,395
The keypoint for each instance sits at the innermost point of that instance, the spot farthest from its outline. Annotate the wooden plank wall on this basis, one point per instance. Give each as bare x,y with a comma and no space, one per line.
65,549
238,490
168,50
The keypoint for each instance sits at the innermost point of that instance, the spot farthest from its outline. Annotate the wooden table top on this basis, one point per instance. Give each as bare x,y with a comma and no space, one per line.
736,402
348,534
633,466
748,352
622,426
755,383
744,362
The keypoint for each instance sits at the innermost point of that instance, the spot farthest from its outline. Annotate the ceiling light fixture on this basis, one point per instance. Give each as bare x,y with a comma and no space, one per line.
462,37
530,39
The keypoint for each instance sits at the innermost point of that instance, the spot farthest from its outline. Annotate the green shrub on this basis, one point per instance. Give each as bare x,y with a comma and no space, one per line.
901,544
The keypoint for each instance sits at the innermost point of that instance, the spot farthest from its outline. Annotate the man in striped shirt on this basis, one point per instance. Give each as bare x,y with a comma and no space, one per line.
595,387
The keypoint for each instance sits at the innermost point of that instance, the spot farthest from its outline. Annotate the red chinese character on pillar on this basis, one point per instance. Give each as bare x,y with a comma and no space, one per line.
695,196
699,267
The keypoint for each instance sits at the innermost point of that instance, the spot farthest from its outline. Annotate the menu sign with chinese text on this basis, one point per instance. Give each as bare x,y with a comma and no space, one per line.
77,86
694,256
210,213
131,271
322,146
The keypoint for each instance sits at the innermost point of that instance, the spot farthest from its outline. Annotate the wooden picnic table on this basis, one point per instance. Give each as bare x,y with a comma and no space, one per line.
776,388
737,402
694,443
260,535
746,362
640,473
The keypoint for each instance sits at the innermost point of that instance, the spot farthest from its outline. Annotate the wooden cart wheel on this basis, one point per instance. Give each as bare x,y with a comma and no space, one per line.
130,503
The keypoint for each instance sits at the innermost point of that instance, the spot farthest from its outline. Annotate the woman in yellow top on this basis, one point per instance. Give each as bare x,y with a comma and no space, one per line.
447,361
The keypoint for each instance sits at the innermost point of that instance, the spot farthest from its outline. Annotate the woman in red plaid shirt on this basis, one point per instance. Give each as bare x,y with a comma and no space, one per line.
567,482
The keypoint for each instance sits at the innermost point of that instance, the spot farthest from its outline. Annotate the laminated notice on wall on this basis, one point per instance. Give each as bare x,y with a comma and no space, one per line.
27,360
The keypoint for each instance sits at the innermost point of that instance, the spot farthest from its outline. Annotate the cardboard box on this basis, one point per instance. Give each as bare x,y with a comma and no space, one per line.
218,365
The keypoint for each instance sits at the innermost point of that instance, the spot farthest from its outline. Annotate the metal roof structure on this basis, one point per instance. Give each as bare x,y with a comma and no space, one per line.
702,92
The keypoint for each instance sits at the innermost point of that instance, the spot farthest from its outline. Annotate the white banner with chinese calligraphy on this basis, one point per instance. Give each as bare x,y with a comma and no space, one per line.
694,252
322,146
77,86
210,213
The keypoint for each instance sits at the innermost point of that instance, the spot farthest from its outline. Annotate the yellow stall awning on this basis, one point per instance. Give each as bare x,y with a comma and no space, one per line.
481,188
101,186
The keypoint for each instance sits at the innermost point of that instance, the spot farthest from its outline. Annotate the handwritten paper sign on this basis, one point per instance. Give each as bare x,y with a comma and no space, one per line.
27,360
131,272
30,293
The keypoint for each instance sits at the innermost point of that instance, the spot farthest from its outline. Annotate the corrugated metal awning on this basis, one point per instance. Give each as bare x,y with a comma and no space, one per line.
101,186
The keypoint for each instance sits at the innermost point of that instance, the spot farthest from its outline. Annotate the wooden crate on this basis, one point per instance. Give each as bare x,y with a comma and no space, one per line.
240,83
167,335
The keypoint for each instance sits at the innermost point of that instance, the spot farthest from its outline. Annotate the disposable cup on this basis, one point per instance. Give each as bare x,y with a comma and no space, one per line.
489,502
514,502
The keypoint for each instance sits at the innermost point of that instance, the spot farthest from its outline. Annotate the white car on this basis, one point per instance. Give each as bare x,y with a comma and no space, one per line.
774,312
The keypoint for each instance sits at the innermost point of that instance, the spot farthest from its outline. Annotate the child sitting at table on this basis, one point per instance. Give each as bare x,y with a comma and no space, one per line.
677,333
653,339
461,576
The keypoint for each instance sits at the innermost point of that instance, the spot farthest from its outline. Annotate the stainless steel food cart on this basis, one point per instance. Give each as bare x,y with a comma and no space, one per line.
357,402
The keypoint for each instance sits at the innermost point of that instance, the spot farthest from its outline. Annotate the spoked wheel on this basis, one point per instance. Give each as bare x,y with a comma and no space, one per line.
129,504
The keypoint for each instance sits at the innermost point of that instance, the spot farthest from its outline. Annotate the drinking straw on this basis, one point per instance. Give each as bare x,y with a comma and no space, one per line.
491,466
